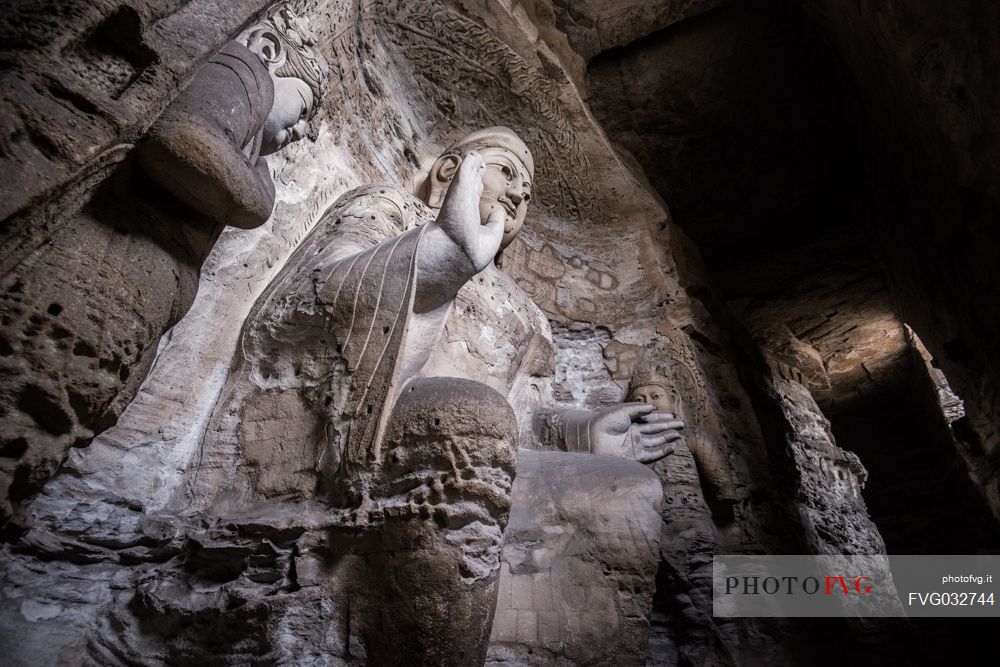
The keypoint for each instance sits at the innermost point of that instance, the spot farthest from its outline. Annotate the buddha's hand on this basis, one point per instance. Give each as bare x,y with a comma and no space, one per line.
634,431
460,218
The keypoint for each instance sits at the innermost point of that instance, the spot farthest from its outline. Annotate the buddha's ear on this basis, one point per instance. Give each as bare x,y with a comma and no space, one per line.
445,168
268,47
442,173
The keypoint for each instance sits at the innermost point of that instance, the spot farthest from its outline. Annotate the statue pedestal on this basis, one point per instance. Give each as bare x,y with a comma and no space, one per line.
579,561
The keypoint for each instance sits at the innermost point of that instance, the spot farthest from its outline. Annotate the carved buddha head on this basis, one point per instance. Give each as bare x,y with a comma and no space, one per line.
300,73
648,385
507,180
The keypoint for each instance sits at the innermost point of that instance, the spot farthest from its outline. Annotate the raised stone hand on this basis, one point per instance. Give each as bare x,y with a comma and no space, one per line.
634,430
457,245
460,218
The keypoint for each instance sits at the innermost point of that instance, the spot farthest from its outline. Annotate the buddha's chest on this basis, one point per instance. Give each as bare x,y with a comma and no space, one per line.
494,334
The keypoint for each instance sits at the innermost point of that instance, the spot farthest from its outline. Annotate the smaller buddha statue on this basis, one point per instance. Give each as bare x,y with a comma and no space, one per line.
650,384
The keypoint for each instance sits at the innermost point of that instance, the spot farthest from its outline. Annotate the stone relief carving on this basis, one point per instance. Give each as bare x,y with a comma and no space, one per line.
456,57
794,359
278,558
666,384
328,401
628,431
641,432
252,99
95,275
579,559
340,396
498,335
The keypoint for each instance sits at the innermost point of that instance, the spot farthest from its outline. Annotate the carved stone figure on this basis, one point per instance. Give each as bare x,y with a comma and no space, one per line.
346,396
326,402
577,565
634,430
579,560
651,385
92,278
248,101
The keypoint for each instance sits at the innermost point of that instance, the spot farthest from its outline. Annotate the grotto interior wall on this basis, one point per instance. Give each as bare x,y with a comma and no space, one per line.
815,187
814,154
919,492
919,71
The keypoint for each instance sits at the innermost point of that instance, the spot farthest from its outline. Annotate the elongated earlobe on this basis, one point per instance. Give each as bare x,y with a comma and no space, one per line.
442,173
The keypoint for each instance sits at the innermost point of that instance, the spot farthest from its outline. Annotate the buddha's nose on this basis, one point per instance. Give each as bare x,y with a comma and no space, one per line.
516,195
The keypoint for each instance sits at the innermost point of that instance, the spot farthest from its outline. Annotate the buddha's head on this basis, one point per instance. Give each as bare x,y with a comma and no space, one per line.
507,179
286,46
648,385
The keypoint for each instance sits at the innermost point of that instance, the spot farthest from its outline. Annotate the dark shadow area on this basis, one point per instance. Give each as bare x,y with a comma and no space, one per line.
921,498
918,493
740,123
763,127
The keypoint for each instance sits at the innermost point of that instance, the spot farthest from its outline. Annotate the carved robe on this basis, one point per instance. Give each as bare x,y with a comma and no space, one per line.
369,299
317,373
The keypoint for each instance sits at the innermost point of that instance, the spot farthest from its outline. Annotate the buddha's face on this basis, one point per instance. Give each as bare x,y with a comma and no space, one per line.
653,394
506,185
289,116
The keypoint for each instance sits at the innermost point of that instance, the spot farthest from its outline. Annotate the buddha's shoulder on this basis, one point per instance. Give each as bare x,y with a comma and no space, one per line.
380,204
362,218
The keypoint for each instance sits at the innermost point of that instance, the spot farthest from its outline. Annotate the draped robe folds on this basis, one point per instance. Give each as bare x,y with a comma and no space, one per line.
317,370
370,298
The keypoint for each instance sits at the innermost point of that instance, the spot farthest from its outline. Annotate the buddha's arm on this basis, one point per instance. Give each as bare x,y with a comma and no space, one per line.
456,246
199,164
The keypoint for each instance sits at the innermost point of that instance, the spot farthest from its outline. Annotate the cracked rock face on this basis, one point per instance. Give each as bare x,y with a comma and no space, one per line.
99,269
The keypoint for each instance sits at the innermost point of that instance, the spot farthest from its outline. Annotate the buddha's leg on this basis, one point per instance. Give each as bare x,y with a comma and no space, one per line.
447,464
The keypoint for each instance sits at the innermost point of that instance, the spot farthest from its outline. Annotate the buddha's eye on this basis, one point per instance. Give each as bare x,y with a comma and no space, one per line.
305,107
507,172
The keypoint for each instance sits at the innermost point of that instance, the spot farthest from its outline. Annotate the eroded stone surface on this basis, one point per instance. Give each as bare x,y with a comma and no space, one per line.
95,274
930,81
579,560
88,77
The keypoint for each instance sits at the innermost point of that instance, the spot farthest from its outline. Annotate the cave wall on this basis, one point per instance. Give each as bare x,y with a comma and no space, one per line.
922,76
821,158
119,509
94,270
81,77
